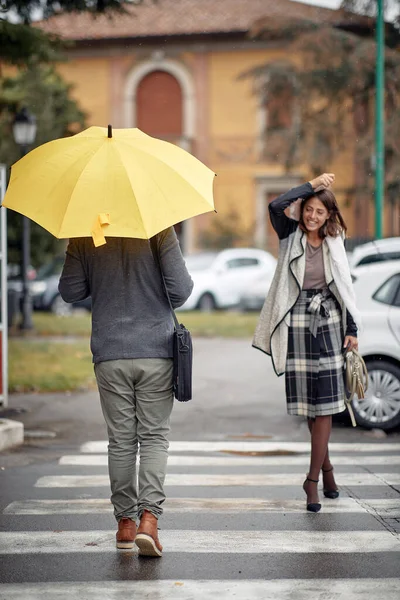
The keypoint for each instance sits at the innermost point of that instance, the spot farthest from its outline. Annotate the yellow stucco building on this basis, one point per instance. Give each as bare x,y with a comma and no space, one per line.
174,68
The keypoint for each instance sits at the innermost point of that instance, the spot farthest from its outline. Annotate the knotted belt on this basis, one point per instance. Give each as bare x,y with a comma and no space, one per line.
318,309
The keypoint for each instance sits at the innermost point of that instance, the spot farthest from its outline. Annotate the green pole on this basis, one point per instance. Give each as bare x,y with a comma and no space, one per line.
379,121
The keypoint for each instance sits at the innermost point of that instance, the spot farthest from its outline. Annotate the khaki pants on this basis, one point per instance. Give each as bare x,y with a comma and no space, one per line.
136,398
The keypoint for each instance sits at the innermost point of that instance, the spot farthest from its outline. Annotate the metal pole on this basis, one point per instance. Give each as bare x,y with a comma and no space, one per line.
26,322
379,120
4,295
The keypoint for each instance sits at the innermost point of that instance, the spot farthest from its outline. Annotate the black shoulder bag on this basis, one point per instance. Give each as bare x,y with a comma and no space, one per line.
183,348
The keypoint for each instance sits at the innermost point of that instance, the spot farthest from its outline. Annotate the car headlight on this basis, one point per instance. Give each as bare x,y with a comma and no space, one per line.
38,287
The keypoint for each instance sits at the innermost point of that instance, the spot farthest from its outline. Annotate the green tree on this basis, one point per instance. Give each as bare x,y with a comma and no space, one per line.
333,86
22,44
368,7
45,94
226,231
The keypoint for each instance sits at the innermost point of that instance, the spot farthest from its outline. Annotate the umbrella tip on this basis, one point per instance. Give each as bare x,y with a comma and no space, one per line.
109,131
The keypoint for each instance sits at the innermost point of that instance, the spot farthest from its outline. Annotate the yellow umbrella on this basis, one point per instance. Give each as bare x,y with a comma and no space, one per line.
118,183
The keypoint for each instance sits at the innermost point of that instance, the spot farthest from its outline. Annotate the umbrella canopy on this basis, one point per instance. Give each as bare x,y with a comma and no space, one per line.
118,183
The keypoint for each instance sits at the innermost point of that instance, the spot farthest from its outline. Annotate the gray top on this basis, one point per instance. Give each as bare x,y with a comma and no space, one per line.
131,317
314,275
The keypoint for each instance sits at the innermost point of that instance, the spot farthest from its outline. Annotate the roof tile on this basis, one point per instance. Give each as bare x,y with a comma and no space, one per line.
180,17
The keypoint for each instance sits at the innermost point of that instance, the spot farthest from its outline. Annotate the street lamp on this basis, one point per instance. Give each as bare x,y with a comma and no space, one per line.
24,131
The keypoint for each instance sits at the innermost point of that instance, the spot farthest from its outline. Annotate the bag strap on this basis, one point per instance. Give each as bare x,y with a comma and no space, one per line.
156,256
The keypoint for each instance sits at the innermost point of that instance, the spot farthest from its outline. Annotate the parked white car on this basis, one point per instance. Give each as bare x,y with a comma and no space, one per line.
375,251
377,288
254,296
220,278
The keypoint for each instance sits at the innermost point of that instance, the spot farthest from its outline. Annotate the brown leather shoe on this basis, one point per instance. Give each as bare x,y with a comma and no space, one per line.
126,533
147,536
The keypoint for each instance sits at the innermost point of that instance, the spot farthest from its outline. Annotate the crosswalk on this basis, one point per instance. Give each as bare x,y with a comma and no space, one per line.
234,526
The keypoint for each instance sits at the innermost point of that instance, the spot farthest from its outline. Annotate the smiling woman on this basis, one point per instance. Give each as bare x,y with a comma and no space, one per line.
307,320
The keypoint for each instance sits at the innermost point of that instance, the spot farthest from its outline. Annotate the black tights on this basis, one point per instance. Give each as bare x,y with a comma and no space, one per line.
320,430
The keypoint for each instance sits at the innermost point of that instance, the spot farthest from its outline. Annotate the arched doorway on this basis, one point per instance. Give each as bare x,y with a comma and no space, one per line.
159,106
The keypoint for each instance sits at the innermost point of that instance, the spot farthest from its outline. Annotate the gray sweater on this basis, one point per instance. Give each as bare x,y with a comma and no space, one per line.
130,313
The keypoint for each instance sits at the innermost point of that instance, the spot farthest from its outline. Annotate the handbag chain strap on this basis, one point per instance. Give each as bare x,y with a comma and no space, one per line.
157,260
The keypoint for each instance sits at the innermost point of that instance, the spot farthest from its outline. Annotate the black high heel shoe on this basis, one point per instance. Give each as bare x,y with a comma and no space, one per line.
332,494
312,506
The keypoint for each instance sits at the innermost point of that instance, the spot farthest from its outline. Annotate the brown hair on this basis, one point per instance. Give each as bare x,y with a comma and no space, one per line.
334,224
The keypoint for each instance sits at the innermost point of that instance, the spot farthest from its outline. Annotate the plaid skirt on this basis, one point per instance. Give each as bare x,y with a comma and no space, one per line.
315,359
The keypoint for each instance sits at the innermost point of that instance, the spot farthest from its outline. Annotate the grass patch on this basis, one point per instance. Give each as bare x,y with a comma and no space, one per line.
49,366
47,324
38,363
228,324
215,324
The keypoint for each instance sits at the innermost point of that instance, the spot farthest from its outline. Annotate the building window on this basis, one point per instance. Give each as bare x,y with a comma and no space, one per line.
279,105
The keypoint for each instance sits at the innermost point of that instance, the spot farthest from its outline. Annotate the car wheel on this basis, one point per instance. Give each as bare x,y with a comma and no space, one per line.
206,303
380,408
60,308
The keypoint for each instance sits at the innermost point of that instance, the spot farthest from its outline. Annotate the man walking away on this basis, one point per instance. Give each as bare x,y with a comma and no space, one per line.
131,343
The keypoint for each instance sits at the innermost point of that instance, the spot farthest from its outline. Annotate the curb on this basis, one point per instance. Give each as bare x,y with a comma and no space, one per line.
11,434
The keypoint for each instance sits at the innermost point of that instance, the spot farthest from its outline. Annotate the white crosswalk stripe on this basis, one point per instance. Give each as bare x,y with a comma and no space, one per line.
300,589
232,542
100,460
387,508
79,489
200,446
177,479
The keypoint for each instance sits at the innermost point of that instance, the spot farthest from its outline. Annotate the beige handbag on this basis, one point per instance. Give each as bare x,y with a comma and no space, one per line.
356,379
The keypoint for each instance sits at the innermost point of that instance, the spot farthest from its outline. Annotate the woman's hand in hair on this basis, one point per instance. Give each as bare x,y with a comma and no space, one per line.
322,182
350,342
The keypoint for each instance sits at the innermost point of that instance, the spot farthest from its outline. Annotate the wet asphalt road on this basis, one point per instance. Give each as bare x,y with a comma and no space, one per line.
234,525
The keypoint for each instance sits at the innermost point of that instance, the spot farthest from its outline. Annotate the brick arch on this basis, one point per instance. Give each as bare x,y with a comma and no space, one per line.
182,76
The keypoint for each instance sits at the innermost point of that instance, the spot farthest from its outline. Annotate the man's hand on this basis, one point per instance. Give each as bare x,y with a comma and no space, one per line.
350,342
322,182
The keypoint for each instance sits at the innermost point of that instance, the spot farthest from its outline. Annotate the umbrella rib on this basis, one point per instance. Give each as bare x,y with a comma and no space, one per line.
77,181
53,232
160,160
154,181
115,149
56,183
